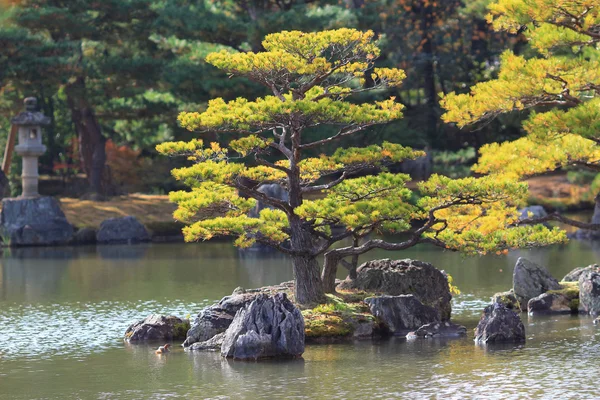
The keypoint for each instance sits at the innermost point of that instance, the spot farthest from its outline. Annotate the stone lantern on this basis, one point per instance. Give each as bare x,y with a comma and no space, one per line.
30,145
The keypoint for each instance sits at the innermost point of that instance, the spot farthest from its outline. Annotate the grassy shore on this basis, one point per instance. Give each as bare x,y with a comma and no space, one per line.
150,210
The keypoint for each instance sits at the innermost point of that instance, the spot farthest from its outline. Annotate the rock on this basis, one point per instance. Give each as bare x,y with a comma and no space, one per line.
574,275
597,321
272,190
397,277
122,230
157,327
212,344
530,280
508,299
536,211
552,303
84,236
439,329
419,169
499,324
34,222
270,326
363,326
216,319
589,291
401,314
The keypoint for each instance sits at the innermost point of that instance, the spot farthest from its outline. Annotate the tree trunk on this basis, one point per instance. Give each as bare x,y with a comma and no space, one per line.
92,144
428,71
596,215
329,273
307,282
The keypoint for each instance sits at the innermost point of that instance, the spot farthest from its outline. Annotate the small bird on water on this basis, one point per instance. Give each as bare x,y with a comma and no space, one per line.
163,349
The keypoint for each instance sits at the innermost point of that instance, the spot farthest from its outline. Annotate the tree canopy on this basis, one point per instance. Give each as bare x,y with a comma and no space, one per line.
560,85
312,78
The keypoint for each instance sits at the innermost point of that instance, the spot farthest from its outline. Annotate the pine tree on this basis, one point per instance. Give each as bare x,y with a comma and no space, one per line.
311,76
560,85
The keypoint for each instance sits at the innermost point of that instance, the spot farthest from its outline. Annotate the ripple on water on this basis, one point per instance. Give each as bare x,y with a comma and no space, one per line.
75,329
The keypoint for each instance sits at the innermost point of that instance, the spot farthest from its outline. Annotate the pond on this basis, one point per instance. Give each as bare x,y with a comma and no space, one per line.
63,312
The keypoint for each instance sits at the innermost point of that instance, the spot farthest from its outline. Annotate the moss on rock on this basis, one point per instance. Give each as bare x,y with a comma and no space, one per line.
571,291
180,330
338,317
508,299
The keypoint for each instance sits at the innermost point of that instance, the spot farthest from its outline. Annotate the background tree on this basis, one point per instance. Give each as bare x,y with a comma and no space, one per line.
443,46
122,70
311,76
561,85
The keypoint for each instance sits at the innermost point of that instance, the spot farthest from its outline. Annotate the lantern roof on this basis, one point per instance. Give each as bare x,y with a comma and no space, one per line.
30,116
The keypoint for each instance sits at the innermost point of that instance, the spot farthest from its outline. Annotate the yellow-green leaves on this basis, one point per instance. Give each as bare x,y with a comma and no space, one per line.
375,155
269,226
550,23
373,202
522,84
477,215
565,32
525,157
208,200
268,112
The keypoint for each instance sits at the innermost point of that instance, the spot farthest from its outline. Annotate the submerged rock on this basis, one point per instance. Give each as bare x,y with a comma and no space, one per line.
34,222
269,327
212,344
122,230
507,298
403,277
401,314
530,280
439,329
499,324
157,327
589,291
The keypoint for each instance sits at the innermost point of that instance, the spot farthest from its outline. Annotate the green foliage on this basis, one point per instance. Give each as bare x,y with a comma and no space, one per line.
304,71
455,164
566,75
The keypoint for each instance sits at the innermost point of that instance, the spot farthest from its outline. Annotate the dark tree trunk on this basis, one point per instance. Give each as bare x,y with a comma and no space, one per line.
92,144
329,273
428,71
307,281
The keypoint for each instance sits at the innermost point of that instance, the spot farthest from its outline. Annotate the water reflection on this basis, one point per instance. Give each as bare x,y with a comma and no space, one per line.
63,313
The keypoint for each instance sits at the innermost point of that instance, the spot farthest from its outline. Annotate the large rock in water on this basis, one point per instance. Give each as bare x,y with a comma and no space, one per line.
401,314
530,280
216,319
34,222
574,275
157,327
122,230
589,291
552,303
270,326
499,324
397,277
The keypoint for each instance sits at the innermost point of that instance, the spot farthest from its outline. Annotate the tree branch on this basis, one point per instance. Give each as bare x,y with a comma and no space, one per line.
557,217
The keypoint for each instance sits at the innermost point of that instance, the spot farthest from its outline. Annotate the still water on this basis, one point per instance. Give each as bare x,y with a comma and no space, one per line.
63,312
